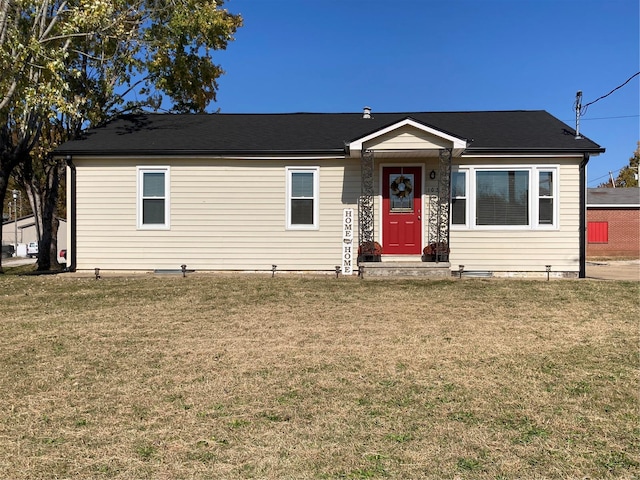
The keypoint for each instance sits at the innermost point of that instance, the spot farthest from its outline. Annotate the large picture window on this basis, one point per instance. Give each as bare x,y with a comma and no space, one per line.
153,197
512,197
302,198
502,197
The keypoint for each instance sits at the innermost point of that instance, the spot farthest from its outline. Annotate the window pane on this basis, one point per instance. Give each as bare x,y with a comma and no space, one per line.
545,215
458,187
458,211
502,198
302,184
153,212
153,184
546,184
302,212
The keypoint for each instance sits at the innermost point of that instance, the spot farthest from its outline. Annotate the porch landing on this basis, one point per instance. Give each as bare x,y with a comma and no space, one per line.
405,269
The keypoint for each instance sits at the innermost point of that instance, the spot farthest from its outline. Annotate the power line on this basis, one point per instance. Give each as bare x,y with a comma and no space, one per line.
607,174
583,108
606,118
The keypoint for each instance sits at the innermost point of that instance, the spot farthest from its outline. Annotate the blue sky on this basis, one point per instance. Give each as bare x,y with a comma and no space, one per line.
445,55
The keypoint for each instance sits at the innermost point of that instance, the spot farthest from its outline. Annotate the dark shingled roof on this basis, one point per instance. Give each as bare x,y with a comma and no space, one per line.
298,133
613,196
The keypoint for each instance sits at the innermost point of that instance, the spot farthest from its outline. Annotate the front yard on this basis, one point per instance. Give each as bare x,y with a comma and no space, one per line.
232,376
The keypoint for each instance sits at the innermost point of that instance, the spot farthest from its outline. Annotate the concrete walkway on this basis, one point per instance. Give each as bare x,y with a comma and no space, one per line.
18,261
614,270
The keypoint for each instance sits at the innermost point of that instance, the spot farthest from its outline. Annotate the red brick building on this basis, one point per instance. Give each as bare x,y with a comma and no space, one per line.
613,222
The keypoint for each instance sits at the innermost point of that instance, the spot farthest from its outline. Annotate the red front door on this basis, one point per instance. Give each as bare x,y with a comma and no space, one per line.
401,210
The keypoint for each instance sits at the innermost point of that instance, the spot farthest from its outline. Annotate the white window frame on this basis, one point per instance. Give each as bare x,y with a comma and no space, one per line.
553,197
466,197
141,170
316,197
534,197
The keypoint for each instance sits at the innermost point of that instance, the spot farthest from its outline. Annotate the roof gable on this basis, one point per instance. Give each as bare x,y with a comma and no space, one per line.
407,134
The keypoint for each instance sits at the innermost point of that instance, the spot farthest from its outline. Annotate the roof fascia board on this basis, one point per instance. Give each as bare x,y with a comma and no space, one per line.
311,155
489,151
520,154
459,144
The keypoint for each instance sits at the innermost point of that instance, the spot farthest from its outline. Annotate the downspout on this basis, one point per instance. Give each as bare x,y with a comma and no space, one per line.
583,216
71,267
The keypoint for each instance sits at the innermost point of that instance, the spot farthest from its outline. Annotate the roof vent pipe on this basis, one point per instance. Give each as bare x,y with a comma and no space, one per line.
367,112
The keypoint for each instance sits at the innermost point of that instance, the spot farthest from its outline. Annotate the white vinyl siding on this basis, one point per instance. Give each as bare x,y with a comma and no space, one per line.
226,214
229,214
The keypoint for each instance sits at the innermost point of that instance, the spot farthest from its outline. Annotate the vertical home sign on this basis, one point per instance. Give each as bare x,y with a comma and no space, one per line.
347,241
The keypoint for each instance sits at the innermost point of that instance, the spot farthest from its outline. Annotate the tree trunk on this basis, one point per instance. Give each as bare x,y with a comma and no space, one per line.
48,244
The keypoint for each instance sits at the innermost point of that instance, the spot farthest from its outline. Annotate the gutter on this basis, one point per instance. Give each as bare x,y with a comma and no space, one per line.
583,216
71,266
520,151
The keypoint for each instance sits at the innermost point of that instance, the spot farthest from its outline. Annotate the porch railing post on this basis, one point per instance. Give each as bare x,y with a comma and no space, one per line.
365,202
444,204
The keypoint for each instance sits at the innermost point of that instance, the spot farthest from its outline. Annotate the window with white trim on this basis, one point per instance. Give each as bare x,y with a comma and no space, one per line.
458,198
546,195
302,198
504,197
153,198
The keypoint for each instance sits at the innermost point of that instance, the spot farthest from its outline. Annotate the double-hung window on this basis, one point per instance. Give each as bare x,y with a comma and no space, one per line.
302,198
546,195
153,198
458,198
504,197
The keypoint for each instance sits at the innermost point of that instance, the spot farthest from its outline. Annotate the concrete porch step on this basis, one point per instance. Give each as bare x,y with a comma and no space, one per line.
406,269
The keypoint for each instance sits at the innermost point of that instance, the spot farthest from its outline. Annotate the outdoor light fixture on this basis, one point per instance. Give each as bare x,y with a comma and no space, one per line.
97,272
338,271
460,270
548,267
273,270
184,270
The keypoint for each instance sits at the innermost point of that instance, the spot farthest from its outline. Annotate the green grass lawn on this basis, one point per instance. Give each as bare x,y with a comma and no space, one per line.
247,376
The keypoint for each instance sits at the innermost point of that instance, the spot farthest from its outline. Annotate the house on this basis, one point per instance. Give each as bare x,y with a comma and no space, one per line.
613,222
23,231
498,192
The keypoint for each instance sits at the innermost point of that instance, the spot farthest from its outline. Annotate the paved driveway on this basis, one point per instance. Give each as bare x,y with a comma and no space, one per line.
17,261
614,270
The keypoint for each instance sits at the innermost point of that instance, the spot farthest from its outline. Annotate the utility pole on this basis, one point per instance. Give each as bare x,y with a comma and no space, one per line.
578,113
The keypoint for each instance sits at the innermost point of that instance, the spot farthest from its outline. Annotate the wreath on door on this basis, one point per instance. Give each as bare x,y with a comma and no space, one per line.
401,187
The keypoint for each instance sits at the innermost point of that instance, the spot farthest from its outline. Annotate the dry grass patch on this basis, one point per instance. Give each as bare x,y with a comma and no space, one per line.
312,377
